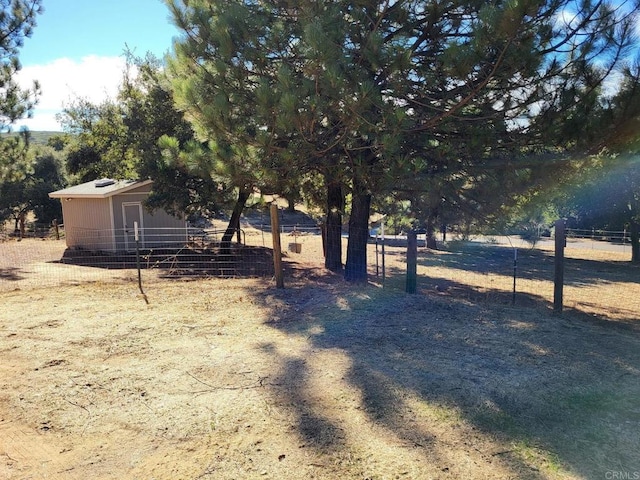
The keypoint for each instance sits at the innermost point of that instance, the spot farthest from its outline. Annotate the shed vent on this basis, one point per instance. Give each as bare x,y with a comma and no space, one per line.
104,182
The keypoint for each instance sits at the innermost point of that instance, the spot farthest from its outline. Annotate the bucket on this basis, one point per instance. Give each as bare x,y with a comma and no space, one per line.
295,247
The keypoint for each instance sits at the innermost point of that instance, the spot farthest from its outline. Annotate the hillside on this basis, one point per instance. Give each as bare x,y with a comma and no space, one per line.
37,137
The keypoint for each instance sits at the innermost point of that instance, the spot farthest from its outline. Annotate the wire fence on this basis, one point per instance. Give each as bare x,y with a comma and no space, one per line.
599,278
31,230
60,255
78,255
619,237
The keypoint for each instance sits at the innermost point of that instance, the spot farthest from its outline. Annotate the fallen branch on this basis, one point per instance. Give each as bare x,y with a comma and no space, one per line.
78,405
502,452
84,429
225,387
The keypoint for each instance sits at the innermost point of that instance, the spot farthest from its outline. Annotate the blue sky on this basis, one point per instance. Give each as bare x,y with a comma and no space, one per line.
76,49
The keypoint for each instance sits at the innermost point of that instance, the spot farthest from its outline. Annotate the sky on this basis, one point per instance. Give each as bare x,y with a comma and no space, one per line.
76,50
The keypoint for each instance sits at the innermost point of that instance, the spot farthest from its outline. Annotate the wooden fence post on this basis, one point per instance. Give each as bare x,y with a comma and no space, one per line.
277,249
558,279
56,228
412,262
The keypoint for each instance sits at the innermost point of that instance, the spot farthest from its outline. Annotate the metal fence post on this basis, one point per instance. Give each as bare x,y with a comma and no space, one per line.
558,279
412,262
515,275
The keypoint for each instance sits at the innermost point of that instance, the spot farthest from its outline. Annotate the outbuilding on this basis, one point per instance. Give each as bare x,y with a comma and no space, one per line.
100,216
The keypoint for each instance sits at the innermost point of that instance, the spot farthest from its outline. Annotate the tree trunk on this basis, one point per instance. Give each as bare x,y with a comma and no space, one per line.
333,227
634,233
431,238
22,226
291,203
234,221
432,244
356,267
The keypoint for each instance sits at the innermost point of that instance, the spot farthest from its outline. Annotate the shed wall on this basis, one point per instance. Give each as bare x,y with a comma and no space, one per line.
88,223
161,229
98,223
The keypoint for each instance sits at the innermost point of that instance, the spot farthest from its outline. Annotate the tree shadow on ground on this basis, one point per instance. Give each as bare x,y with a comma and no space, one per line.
240,261
490,295
314,427
560,385
11,274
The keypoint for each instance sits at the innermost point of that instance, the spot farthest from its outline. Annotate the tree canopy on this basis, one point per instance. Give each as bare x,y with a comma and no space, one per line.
30,192
606,193
380,95
17,19
138,135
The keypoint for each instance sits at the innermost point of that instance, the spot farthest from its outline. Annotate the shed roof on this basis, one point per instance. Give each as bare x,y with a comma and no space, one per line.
102,188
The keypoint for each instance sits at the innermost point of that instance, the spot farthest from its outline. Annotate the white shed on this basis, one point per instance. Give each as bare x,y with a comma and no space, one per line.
100,216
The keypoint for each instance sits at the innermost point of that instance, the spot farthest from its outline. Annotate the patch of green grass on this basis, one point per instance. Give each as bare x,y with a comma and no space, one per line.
538,457
493,419
437,411
588,430
584,403
594,429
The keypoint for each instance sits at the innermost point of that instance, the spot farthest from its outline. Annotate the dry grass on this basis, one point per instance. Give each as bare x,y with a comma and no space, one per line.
596,282
227,379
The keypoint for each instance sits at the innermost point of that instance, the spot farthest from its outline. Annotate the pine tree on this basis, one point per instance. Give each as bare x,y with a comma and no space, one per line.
17,19
360,91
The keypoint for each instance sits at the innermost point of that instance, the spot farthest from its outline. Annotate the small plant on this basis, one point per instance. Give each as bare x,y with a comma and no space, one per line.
530,233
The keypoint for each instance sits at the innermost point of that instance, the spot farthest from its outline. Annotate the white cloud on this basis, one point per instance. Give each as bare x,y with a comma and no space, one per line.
94,78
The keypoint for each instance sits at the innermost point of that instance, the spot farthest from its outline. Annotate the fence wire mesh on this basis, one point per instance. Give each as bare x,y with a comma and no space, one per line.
108,255
599,278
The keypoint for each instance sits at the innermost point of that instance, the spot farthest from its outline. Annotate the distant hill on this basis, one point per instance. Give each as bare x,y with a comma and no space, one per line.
37,138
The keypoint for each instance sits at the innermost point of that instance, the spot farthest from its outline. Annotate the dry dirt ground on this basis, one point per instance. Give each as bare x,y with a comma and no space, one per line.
234,379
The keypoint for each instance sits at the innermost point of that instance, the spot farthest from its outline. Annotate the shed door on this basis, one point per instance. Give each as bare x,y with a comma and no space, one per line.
132,212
